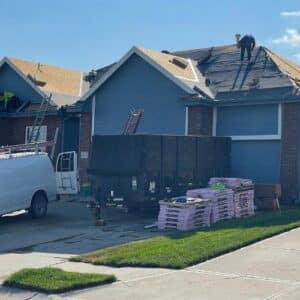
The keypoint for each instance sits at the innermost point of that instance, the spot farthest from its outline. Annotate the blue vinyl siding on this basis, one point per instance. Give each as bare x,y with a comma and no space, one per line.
13,82
257,160
138,85
247,120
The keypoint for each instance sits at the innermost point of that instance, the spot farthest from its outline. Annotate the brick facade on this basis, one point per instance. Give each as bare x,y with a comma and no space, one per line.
200,120
4,131
13,131
18,128
289,152
84,147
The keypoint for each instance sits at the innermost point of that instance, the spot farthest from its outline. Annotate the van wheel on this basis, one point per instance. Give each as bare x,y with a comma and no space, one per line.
39,204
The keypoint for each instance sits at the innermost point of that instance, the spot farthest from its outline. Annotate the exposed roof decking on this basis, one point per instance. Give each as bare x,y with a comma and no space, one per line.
165,61
55,79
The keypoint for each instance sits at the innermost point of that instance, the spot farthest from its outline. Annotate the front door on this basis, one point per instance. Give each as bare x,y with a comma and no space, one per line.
71,134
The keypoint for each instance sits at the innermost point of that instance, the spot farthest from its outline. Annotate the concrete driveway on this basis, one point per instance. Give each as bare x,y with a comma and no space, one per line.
266,270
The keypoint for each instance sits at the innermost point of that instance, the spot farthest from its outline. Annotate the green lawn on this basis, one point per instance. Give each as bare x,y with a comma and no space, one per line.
179,250
53,280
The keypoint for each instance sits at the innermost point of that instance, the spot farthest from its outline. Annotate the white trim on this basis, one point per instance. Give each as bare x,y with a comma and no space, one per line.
137,51
279,122
80,84
214,120
186,129
266,137
255,137
93,115
16,69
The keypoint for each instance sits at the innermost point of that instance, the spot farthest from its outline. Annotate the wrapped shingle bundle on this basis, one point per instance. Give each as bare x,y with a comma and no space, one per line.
221,201
188,215
243,194
231,183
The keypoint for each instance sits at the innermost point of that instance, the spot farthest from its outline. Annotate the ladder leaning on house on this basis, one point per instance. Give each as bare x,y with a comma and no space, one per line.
33,139
38,121
133,121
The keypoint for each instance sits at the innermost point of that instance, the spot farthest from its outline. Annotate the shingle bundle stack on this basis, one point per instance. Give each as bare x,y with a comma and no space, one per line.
231,183
243,194
189,215
243,203
221,200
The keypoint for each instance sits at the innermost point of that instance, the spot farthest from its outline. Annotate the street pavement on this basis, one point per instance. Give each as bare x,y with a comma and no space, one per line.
266,270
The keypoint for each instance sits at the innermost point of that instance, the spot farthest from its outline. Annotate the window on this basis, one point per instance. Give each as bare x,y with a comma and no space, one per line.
42,134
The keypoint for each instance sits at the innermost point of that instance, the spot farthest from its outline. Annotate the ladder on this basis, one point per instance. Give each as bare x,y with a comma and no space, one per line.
24,147
133,121
39,119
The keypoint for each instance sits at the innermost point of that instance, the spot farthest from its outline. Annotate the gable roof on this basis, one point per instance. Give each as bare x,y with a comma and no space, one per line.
5,60
51,79
222,67
185,77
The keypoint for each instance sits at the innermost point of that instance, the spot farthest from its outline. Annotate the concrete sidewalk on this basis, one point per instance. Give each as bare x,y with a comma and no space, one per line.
266,270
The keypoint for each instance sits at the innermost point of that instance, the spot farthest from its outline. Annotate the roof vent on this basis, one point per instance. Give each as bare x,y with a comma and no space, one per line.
179,62
207,82
91,76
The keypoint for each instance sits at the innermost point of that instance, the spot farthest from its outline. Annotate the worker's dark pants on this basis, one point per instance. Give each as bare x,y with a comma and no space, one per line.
243,53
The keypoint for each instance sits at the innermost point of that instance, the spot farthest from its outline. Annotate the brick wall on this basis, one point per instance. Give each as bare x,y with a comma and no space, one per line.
4,131
200,120
85,143
18,128
289,151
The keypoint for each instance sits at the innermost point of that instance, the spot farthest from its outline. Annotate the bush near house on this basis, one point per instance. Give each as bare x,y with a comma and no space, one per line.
54,280
179,250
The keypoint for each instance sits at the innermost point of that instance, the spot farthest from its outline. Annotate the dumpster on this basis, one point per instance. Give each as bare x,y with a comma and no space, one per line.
139,170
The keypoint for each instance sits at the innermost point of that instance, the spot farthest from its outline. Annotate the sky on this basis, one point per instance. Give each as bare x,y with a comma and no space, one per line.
89,34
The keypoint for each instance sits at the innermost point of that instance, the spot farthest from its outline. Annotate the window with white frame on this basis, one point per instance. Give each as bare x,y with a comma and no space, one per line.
42,136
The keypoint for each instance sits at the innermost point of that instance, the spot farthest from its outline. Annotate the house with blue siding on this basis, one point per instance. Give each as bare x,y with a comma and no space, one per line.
210,92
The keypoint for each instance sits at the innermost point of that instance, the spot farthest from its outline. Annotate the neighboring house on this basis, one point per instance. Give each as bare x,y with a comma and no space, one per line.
210,92
31,82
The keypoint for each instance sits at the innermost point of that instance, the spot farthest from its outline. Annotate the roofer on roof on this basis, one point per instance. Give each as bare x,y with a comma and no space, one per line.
247,42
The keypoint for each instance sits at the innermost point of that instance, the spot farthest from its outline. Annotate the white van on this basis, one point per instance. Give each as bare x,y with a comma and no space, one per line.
27,181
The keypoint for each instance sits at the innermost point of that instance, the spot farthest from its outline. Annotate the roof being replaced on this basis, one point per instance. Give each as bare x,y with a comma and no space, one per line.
182,71
51,79
225,74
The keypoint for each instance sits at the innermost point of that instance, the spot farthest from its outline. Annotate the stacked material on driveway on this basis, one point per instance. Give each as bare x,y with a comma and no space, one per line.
184,213
243,197
231,183
221,201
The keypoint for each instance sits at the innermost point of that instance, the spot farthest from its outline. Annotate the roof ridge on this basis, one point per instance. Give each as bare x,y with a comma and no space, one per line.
43,64
205,48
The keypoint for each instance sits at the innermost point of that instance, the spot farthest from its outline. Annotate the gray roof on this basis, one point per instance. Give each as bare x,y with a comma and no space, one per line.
228,78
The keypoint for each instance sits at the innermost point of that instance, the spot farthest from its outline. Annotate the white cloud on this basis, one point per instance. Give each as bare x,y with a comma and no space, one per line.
291,37
295,13
297,56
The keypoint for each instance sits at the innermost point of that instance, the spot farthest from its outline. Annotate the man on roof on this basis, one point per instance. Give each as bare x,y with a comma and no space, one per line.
247,42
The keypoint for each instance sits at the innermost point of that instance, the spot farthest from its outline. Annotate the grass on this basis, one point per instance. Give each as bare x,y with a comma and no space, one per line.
180,250
54,280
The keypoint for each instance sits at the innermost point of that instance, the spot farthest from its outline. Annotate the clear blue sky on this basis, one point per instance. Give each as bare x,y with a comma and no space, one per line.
88,34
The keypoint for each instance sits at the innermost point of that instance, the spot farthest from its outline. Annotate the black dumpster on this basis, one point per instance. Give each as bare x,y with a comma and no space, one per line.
139,170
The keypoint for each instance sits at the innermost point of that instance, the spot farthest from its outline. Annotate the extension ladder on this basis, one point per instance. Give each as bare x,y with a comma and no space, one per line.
133,122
